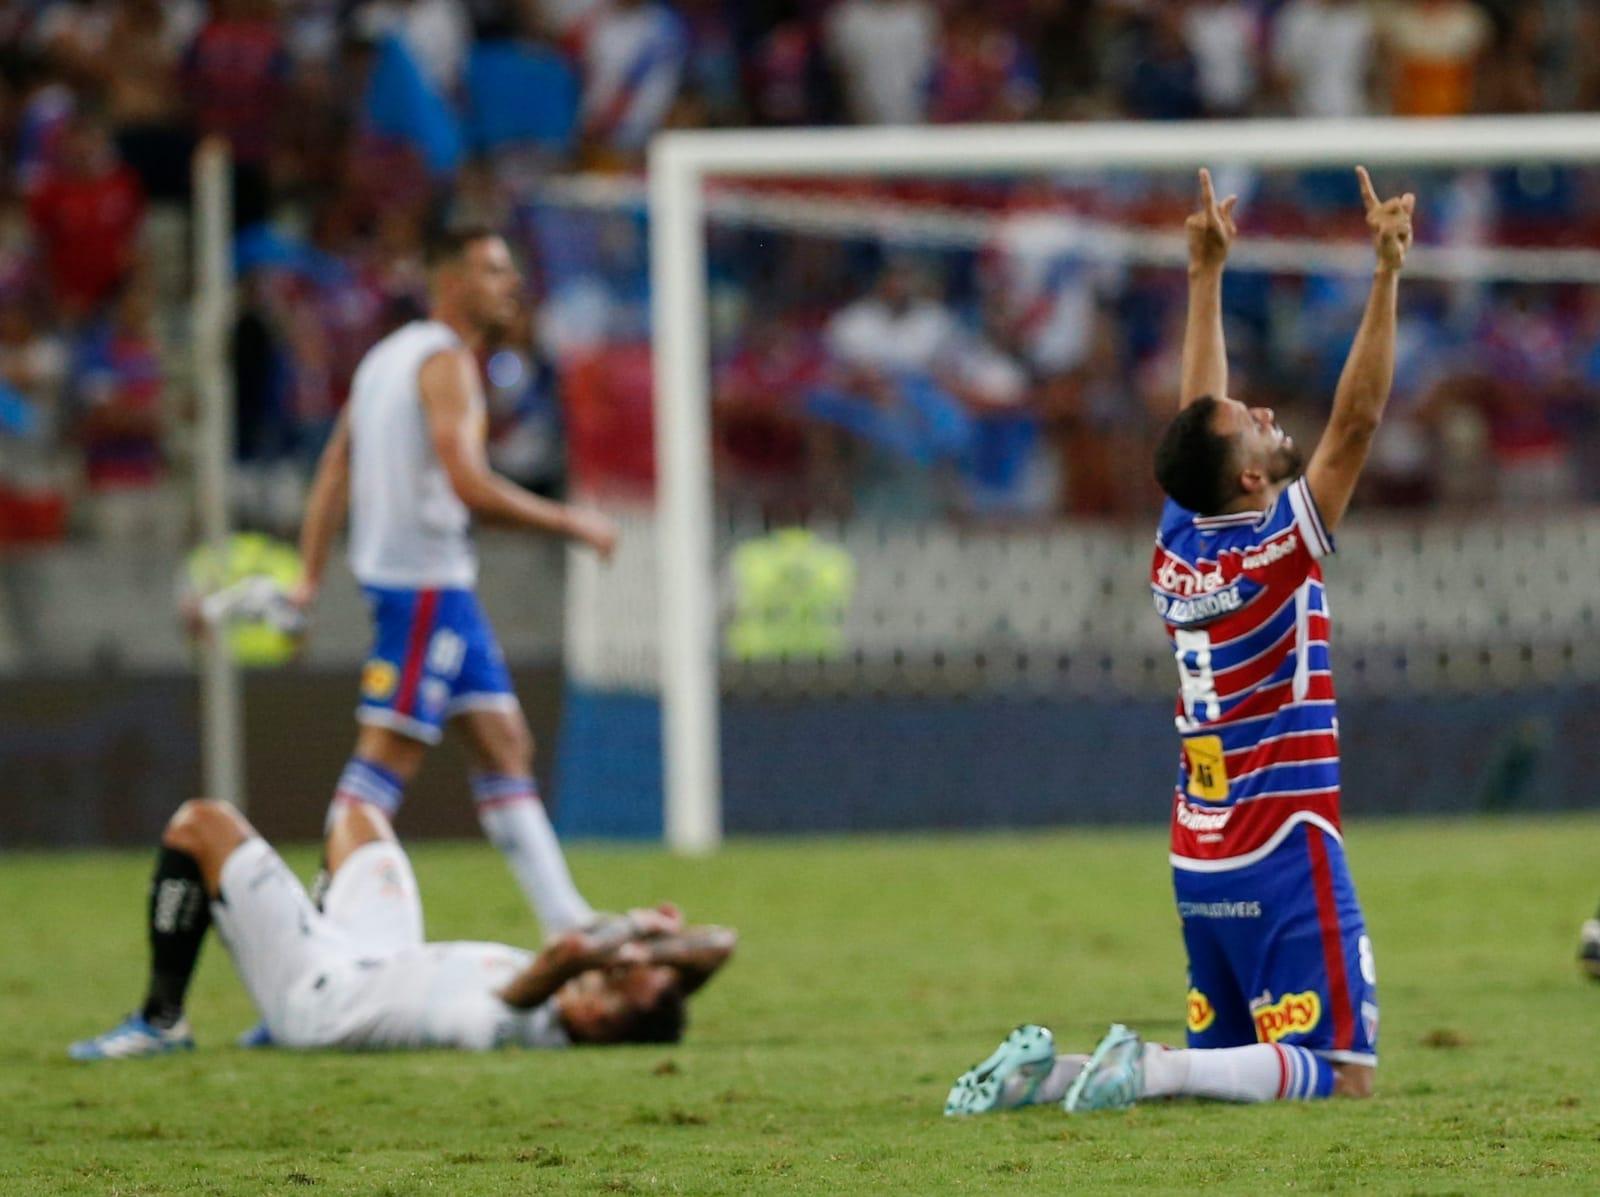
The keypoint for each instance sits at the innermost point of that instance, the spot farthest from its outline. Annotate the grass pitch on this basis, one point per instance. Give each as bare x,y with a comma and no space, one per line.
871,972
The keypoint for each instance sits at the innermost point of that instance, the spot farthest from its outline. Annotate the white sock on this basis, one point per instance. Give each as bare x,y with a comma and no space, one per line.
1258,1072
516,823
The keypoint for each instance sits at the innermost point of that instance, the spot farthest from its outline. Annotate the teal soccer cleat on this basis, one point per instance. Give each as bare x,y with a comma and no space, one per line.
1028,1053
1112,1077
134,1037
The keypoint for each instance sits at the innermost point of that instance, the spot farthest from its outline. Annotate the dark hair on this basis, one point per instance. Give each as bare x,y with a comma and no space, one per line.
1193,459
661,1023
446,245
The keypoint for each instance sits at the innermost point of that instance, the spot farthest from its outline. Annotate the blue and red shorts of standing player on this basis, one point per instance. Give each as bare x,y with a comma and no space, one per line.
1278,952
433,656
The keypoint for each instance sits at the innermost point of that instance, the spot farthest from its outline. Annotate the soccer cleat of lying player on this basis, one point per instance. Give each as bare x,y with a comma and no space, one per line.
357,974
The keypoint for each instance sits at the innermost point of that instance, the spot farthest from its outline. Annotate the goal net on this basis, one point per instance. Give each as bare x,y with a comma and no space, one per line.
879,428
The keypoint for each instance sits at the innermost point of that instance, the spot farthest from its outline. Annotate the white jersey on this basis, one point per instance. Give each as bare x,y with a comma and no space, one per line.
357,974
407,527
435,995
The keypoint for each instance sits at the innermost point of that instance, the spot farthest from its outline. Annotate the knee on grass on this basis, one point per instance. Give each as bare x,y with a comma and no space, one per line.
1353,1080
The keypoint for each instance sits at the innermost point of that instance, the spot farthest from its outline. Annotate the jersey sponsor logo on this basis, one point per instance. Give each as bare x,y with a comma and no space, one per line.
1292,1014
434,692
1201,1012
1202,820
378,680
1208,768
1219,910
446,652
1276,551
1177,576
1188,610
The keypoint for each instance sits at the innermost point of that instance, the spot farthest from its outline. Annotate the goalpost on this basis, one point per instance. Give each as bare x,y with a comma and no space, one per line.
682,163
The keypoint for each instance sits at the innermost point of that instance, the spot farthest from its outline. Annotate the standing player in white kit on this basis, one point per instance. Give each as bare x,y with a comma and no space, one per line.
408,455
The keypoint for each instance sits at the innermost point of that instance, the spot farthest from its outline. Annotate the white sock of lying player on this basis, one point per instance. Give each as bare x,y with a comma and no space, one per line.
1257,1072
514,819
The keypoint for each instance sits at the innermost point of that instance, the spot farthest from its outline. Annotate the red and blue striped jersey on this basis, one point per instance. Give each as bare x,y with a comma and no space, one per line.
1243,602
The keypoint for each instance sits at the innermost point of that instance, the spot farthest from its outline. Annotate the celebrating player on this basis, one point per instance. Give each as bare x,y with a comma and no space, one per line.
408,456
1282,992
357,974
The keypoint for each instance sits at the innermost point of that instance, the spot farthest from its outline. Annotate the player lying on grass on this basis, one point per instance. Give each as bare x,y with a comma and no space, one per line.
357,974
1282,1000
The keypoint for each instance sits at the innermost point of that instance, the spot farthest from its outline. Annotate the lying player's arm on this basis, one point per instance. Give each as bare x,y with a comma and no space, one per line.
325,510
564,958
452,398
1368,372
696,953
1205,355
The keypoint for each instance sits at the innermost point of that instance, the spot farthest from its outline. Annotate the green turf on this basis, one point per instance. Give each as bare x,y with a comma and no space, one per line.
871,972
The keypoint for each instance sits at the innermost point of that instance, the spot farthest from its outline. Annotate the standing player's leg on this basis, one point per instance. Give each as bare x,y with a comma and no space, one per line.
500,746
198,839
484,709
405,686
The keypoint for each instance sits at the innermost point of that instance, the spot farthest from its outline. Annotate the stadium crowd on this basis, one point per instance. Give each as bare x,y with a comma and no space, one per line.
1008,380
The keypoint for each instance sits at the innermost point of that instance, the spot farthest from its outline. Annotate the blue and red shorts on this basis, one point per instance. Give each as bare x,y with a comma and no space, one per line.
1279,953
433,656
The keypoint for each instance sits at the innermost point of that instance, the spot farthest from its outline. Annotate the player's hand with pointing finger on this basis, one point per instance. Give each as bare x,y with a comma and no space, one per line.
1210,229
1389,220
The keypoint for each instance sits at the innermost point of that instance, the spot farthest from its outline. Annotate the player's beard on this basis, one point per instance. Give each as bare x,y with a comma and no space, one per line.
1286,463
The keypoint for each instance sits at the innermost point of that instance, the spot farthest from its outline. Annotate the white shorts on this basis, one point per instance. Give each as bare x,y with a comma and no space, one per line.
285,949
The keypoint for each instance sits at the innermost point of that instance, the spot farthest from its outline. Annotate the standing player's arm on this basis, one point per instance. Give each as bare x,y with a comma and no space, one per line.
452,400
1210,232
325,510
1368,372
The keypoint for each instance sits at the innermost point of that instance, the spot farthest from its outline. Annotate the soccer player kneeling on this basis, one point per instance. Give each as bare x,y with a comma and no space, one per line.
357,974
1282,990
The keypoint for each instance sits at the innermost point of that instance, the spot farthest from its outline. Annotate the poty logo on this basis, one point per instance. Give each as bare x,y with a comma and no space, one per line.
1292,1014
1201,1012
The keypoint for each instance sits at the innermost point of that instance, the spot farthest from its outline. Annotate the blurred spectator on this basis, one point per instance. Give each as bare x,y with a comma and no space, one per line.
763,442
33,362
437,32
522,98
117,386
236,76
633,60
1433,48
1163,82
884,52
1223,37
982,71
788,76
1324,52
87,213
143,101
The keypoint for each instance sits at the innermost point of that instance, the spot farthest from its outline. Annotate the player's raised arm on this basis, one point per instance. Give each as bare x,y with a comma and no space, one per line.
1210,232
452,398
1369,370
325,510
